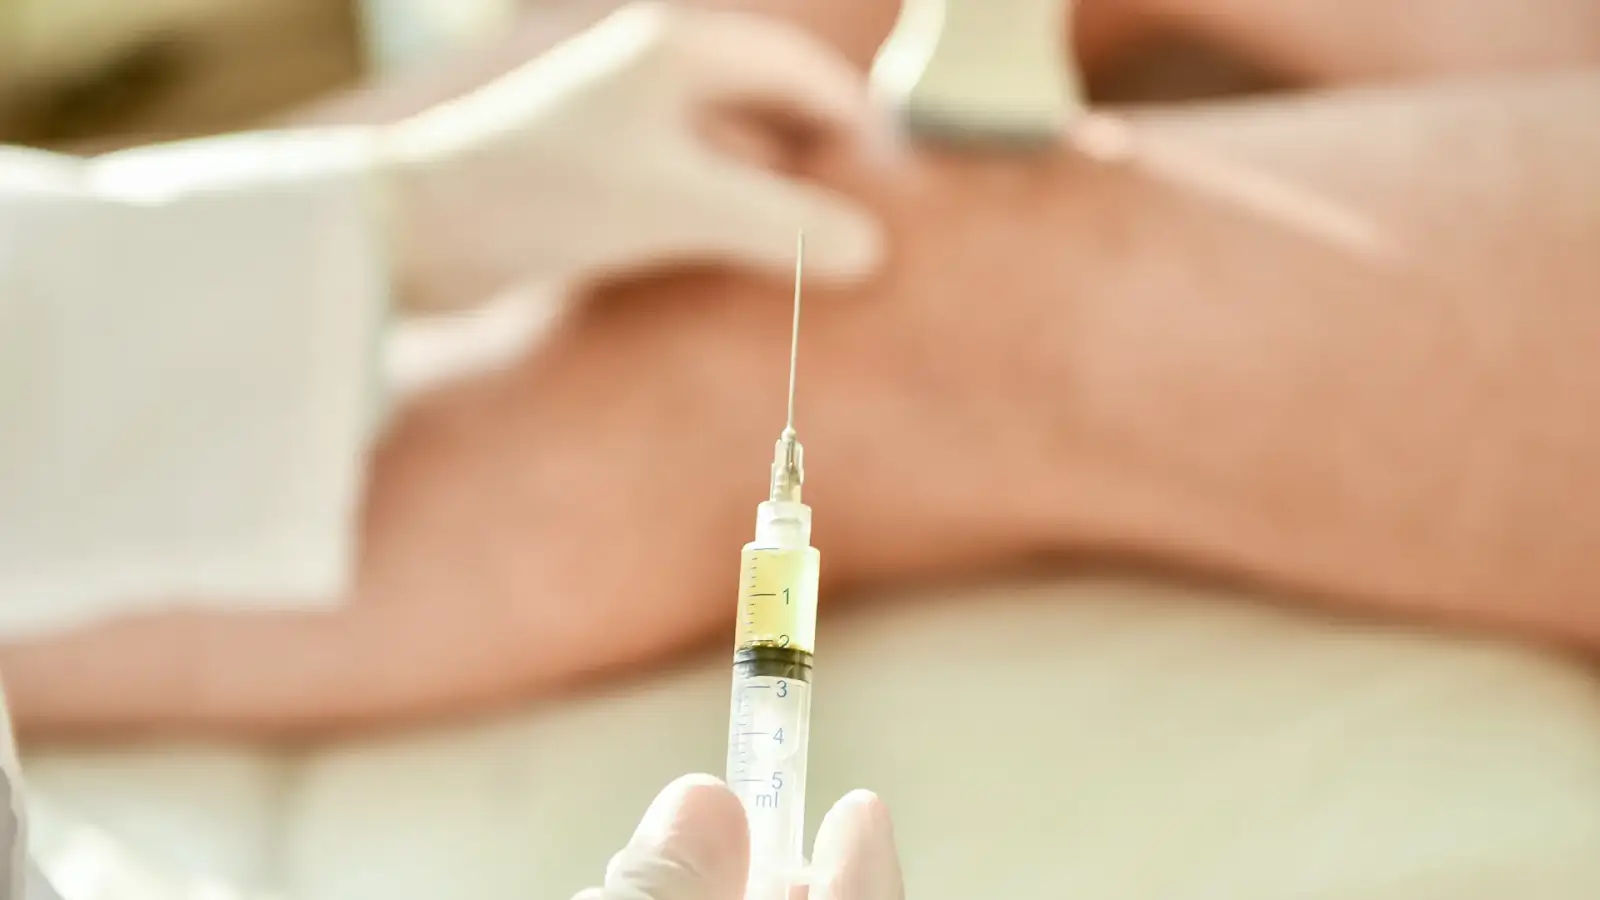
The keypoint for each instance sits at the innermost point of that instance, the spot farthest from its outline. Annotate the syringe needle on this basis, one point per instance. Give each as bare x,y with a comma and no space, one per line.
788,463
794,334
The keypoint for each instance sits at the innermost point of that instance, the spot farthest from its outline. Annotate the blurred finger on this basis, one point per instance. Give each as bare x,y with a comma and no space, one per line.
750,60
855,857
742,214
692,844
742,62
747,142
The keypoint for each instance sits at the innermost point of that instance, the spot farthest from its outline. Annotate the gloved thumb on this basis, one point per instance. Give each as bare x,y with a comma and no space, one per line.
855,856
692,844
739,213
772,71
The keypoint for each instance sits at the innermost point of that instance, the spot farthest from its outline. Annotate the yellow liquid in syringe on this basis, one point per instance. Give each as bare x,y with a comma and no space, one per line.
778,599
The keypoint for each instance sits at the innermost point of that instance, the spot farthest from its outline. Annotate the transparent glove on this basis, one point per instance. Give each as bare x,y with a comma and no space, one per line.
655,136
693,844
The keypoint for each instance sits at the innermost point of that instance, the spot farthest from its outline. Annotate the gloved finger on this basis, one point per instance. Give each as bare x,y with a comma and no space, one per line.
748,60
742,214
855,856
692,844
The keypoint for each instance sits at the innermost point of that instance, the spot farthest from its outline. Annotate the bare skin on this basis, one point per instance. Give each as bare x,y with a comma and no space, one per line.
1373,41
1276,340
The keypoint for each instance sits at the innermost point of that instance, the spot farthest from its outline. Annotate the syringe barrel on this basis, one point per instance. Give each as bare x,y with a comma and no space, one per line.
774,638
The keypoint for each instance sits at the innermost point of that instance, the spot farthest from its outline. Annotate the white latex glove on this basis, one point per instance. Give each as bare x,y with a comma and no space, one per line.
693,844
599,155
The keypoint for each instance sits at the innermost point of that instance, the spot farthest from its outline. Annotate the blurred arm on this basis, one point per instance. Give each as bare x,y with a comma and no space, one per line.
186,372
1346,344
1377,40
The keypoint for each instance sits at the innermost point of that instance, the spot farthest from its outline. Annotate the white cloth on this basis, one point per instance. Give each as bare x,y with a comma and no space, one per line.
1099,740
188,379
187,385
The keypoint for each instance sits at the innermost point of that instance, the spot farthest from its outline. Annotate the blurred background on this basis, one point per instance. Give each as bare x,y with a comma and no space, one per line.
1492,749
88,75
78,74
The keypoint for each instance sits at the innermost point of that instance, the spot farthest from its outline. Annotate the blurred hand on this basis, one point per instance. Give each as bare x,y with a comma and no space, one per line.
580,509
693,844
651,138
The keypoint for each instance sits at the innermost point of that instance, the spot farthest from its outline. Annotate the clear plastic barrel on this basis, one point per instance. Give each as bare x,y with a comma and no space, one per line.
770,722
770,725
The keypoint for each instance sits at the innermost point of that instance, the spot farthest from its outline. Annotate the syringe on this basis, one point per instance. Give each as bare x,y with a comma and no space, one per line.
773,643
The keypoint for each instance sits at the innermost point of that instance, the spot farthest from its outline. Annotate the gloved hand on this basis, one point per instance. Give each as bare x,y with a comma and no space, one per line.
604,153
693,844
